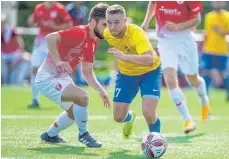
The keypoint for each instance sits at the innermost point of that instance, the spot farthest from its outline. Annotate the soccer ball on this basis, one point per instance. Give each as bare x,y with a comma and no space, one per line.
154,145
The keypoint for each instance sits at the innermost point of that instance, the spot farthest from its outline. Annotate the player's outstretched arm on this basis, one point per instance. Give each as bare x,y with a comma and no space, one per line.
89,76
185,25
60,26
147,58
52,40
149,14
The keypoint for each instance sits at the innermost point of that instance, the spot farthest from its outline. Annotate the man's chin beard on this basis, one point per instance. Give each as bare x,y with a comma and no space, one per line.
98,35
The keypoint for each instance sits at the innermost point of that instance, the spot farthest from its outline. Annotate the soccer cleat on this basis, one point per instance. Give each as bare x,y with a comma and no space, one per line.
128,127
34,104
54,139
189,126
89,141
205,114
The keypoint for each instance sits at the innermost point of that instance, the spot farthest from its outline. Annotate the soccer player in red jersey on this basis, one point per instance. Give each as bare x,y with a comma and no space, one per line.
67,48
174,23
12,46
49,17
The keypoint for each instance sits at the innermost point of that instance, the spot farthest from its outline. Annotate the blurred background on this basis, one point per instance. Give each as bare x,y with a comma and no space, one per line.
15,14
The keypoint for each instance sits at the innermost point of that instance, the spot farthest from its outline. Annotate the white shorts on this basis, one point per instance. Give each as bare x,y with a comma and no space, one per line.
40,50
11,57
53,87
179,52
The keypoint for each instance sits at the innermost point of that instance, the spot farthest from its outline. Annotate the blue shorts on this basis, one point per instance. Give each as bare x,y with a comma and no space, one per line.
127,86
209,62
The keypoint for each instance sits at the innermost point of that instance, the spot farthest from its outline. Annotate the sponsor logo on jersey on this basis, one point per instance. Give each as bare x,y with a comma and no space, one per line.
170,11
53,14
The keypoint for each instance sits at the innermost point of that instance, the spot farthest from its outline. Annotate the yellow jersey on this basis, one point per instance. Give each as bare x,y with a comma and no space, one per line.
136,42
215,43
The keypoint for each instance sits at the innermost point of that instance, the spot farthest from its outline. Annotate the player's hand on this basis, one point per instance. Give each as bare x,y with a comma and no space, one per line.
218,30
171,26
63,67
117,53
145,26
105,99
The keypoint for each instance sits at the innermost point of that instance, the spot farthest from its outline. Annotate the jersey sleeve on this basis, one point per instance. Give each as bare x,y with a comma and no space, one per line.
35,15
141,41
195,7
71,36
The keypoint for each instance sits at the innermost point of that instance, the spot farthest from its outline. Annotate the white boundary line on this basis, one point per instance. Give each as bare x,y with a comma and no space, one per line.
101,117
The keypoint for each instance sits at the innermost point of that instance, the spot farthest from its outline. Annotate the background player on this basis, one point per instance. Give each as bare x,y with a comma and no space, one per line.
139,67
215,49
12,46
67,48
49,17
174,21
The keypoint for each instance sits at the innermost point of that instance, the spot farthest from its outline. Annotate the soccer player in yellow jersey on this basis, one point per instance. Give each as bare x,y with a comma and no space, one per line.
215,46
139,67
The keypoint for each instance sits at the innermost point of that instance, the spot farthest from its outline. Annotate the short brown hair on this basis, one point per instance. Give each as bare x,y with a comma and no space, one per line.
98,11
115,9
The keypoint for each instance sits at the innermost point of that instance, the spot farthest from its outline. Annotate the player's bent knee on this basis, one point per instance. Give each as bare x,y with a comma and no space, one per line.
194,80
171,81
84,100
119,119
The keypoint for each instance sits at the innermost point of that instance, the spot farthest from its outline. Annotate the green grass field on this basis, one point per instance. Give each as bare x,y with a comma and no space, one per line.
21,128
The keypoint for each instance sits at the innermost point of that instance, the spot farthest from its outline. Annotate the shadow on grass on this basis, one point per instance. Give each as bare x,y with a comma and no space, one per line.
180,139
183,139
63,149
124,154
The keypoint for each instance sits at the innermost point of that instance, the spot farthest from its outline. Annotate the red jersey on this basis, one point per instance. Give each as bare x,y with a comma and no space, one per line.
175,11
9,43
56,14
76,45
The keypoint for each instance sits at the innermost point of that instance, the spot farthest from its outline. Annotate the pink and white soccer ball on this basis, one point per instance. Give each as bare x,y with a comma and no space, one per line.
154,145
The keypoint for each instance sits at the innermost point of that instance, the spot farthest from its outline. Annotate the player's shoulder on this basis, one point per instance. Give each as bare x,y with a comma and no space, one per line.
106,33
135,29
59,6
39,6
226,13
211,14
80,29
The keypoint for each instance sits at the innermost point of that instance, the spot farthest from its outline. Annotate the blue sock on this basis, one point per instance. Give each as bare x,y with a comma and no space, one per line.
156,127
226,84
128,117
207,79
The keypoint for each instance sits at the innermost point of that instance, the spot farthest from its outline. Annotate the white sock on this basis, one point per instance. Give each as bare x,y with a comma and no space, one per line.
60,124
81,117
179,100
202,92
35,92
